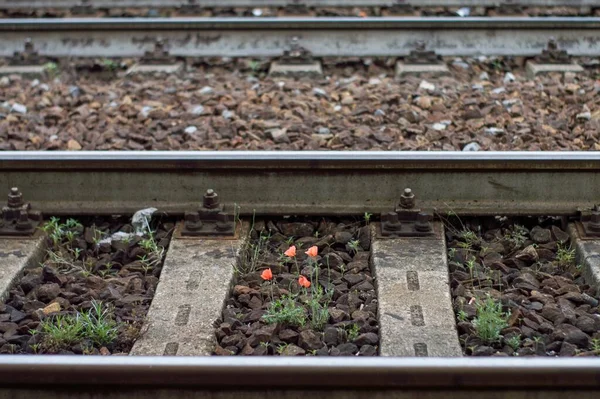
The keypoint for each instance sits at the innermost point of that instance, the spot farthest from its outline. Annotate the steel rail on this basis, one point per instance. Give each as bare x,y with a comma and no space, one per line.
21,4
270,37
312,183
306,372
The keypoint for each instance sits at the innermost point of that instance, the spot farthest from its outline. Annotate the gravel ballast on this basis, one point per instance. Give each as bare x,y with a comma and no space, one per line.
517,291
486,104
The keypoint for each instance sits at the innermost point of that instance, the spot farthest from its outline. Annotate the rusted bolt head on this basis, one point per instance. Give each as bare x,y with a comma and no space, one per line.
422,223
192,217
192,221
15,198
222,222
23,223
407,199
595,221
211,199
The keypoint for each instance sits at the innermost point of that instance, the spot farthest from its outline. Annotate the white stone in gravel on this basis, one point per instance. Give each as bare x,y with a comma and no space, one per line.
279,135
206,90
439,126
255,86
44,87
146,111
484,76
472,147
493,131
499,90
197,110
319,92
227,114
460,63
324,130
585,116
35,83
257,12
190,129
19,108
374,81
425,85
113,104
477,87
337,108
463,12
510,102
280,84
5,105
53,137
509,77
4,81
379,112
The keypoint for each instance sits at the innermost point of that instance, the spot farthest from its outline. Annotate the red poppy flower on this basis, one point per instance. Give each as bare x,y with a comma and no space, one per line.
303,281
267,274
291,252
312,251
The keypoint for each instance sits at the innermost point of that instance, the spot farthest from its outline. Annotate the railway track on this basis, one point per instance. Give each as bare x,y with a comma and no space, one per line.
262,184
12,4
270,37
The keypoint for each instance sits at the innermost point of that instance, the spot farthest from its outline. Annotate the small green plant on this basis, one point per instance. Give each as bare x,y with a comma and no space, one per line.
490,320
319,314
254,66
95,324
462,315
281,348
51,68
514,342
110,65
285,310
353,331
517,235
565,257
596,345
354,246
471,266
367,217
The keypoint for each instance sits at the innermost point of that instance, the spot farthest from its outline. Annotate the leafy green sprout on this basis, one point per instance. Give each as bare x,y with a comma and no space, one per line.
353,331
596,345
490,320
110,65
285,310
367,217
462,315
51,68
282,348
517,235
565,256
514,342
354,246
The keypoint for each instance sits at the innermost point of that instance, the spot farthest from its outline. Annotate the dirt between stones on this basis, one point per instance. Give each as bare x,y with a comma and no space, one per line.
517,291
487,104
90,295
286,302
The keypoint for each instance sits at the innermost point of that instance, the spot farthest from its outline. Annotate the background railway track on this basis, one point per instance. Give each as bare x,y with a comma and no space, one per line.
270,37
12,4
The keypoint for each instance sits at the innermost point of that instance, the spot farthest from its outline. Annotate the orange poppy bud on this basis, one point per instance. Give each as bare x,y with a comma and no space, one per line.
267,274
303,281
312,251
291,252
